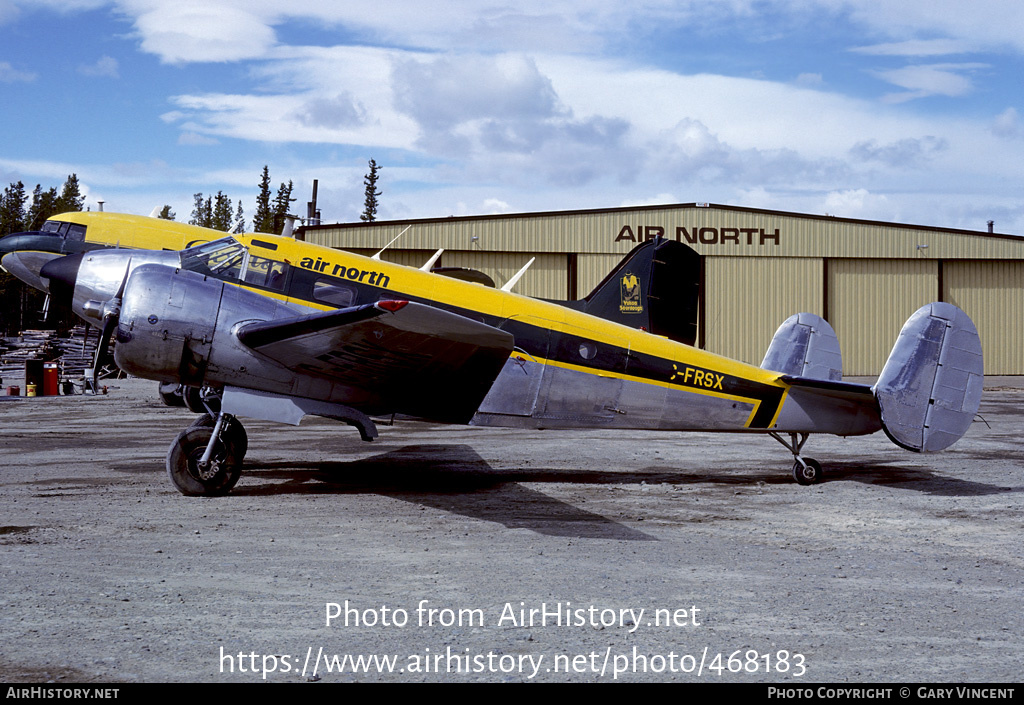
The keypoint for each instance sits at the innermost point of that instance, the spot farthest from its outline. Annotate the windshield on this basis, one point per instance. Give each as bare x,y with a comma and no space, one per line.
220,258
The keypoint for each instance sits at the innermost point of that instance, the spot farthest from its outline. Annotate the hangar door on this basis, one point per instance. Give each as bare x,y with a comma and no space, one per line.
869,300
992,294
747,298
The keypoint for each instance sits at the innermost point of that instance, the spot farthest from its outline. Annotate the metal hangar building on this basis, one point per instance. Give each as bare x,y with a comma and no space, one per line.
758,267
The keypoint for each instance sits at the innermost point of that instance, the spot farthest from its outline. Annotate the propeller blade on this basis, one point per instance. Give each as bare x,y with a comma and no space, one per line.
111,315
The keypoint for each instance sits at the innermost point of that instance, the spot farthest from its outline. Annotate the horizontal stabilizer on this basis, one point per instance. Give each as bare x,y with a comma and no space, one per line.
805,346
930,387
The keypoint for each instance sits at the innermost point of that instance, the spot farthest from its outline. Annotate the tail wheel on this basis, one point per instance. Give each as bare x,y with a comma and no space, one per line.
809,474
194,478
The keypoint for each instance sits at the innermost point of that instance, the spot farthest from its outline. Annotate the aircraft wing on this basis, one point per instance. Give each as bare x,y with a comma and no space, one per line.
390,357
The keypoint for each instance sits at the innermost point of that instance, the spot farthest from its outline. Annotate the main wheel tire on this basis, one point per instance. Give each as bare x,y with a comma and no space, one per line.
170,394
809,475
193,399
233,432
183,458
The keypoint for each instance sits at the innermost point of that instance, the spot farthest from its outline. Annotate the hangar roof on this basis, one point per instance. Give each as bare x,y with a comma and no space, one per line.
711,229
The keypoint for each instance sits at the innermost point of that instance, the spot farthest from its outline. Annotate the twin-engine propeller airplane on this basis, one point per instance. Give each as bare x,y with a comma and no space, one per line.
24,254
276,329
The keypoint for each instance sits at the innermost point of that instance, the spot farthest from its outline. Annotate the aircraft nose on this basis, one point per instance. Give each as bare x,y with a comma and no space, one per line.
63,275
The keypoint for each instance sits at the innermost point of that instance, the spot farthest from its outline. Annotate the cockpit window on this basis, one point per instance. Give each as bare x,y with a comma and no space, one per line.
69,231
221,258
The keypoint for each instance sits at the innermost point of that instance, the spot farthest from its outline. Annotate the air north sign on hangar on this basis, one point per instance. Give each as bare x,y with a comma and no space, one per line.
701,236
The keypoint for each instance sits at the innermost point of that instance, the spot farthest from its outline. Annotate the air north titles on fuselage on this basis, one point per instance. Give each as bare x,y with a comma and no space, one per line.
340,271
703,236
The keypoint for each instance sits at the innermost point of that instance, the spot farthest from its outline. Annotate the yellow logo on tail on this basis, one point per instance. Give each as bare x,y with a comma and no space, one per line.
629,287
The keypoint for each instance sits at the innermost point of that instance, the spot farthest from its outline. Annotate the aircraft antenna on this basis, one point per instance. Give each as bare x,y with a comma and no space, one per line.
517,276
377,256
289,226
430,262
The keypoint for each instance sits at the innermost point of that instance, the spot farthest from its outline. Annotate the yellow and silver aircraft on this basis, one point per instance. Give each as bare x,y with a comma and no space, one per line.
276,329
24,254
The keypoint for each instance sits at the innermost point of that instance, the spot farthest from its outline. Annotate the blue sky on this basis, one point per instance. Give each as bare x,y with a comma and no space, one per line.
910,111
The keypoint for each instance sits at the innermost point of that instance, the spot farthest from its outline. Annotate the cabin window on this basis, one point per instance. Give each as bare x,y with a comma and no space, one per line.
266,273
333,292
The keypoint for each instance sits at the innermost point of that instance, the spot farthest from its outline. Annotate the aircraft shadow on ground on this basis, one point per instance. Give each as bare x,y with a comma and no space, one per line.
916,479
452,478
456,478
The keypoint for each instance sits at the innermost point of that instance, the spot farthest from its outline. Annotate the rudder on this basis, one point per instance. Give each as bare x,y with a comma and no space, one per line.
655,287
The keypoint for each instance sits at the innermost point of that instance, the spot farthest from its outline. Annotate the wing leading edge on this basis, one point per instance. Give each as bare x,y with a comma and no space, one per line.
391,357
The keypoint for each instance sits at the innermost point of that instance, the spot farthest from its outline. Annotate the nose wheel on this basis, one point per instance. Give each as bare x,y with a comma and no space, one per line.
806,471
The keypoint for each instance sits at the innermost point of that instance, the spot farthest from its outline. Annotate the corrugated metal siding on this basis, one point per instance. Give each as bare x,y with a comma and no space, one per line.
747,298
992,294
713,231
547,277
870,300
592,269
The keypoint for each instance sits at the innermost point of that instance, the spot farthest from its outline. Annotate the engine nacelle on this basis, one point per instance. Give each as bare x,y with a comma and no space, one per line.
179,325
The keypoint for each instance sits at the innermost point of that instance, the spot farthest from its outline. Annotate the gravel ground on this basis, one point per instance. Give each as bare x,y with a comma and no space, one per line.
443,542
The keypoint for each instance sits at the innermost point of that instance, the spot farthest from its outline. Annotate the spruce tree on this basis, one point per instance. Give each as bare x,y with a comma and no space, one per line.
370,204
263,220
239,226
282,202
71,198
166,213
12,209
222,217
44,205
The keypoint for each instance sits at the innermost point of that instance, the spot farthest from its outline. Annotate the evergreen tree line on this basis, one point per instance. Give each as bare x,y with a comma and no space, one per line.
21,305
19,214
218,212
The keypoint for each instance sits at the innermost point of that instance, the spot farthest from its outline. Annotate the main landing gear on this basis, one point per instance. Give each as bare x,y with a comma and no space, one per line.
206,458
806,471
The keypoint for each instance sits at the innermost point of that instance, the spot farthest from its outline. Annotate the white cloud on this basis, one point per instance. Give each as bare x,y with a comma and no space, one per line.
194,31
932,79
1007,124
105,67
9,74
917,47
904,153
192,139
445,92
